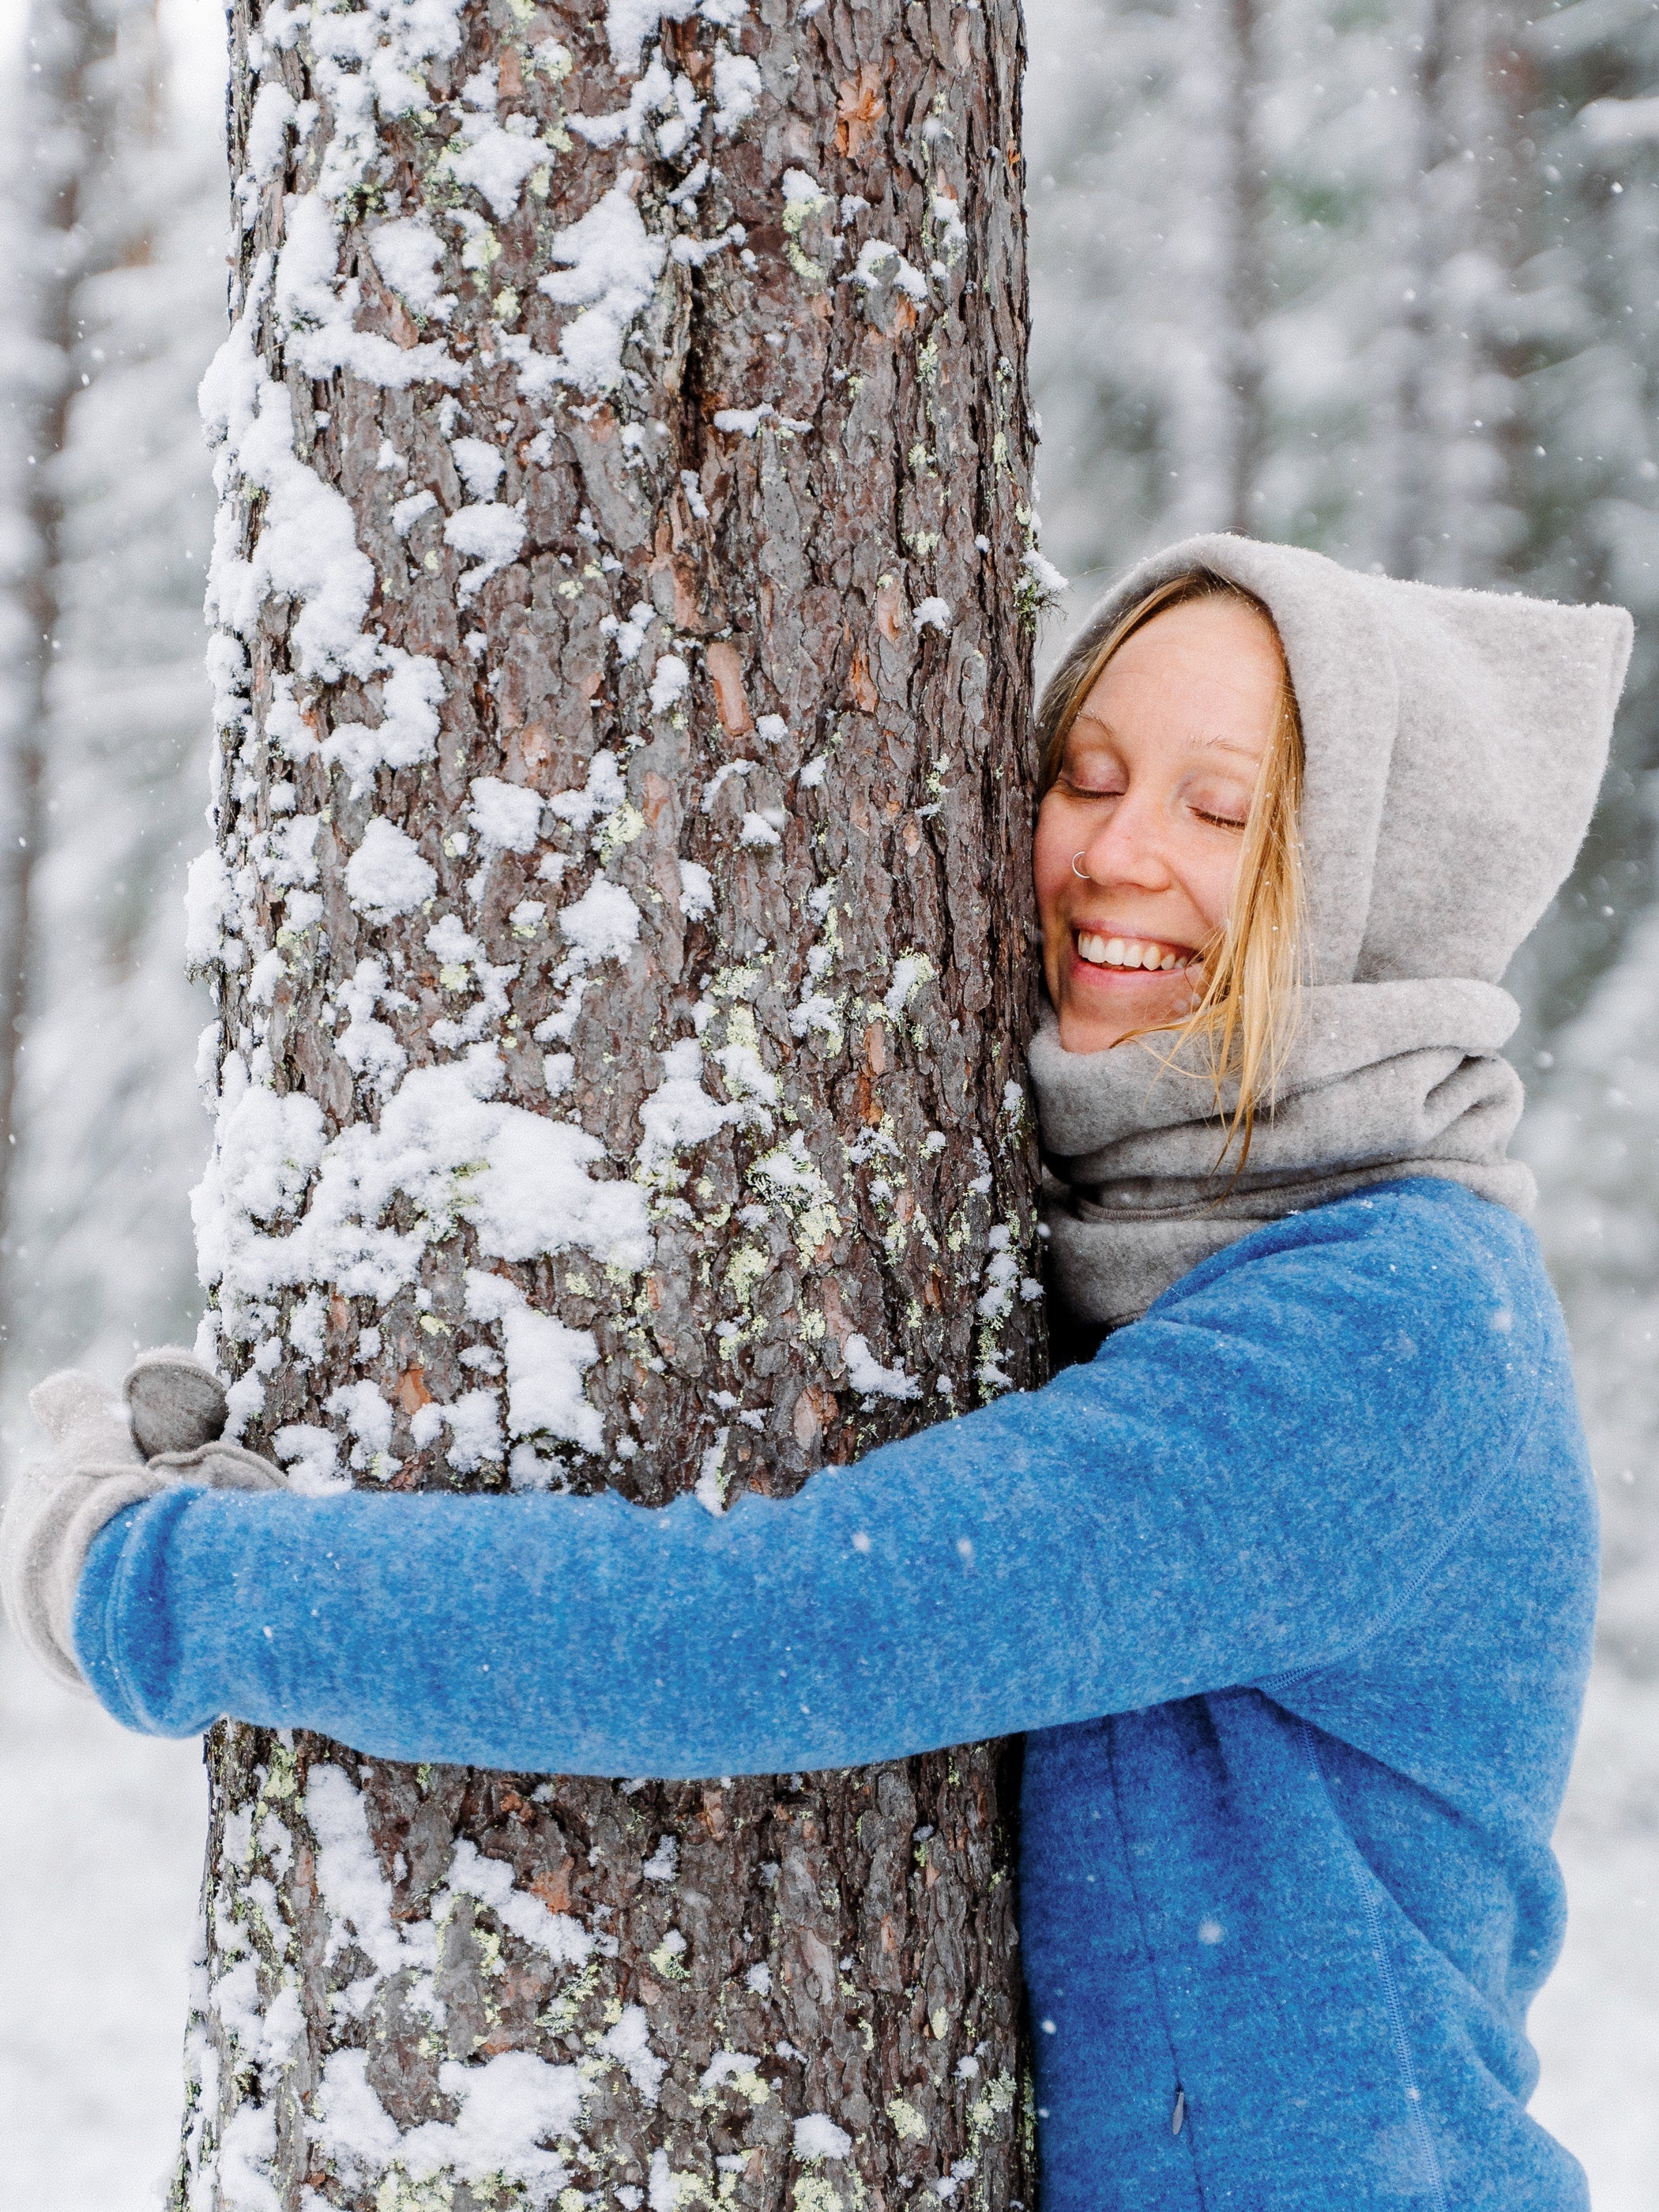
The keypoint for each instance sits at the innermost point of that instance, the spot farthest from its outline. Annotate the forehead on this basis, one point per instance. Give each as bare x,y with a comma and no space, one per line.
1208,674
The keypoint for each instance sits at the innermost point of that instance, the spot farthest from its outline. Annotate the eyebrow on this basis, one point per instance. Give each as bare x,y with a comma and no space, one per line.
1210,743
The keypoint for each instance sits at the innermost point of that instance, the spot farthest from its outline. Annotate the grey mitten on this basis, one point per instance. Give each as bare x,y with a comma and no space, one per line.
179,1411
56,1509
107,1455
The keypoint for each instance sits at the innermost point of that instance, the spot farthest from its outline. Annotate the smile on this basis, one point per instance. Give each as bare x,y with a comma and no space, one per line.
1130,952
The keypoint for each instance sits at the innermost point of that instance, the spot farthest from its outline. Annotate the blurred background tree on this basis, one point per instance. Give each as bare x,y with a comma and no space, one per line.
116,301
1380,277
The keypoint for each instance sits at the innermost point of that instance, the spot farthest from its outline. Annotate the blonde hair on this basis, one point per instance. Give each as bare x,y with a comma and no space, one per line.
1246,1012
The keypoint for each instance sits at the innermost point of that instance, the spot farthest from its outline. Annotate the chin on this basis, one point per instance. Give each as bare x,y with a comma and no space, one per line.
1089,1028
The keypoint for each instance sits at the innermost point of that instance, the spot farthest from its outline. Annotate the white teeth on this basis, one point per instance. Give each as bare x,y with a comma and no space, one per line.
1124,953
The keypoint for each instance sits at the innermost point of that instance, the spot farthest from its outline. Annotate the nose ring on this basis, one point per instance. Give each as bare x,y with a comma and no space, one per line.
1082,872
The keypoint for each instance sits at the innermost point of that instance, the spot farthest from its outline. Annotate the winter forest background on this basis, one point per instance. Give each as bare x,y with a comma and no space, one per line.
1380,277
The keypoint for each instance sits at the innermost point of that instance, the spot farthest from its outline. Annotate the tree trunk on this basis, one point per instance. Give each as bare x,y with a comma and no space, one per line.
1243,216
621,914
69,107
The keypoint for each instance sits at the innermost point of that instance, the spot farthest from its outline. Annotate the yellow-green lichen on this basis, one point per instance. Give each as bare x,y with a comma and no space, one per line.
617,830
908,2123
398,2193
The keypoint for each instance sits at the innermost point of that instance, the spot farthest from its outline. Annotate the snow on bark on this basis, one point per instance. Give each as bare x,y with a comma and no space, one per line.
620,922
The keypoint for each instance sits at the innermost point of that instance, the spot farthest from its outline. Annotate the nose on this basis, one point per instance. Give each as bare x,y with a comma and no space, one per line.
1128,847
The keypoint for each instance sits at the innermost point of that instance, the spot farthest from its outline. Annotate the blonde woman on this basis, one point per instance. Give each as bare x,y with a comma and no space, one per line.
1290,1584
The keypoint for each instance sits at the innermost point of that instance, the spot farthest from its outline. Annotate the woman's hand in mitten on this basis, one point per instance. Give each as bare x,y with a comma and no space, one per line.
178,1410
107,1455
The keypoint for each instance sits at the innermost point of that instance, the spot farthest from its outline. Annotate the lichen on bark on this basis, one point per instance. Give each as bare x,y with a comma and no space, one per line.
620,915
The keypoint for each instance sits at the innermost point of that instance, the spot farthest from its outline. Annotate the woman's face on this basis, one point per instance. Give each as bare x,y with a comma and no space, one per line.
1151,799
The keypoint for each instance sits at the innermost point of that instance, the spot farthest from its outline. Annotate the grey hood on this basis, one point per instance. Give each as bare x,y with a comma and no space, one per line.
1455,742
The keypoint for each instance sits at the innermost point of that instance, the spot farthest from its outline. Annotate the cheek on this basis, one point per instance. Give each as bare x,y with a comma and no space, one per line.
1210,877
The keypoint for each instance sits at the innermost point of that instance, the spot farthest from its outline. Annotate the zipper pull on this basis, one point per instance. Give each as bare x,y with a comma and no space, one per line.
1178,2117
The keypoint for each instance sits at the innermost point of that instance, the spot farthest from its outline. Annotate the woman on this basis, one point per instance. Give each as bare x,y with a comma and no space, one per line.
1291,1585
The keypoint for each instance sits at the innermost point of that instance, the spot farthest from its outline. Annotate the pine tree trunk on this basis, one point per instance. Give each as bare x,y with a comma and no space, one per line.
621,916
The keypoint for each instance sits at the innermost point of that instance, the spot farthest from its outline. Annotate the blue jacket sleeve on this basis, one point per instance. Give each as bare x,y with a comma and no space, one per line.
1252,1479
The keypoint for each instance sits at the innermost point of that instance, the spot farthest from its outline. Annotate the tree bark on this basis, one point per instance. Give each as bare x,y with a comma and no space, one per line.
623,663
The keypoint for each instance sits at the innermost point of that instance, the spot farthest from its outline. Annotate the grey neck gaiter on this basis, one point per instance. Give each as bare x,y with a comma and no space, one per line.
1382,1080
1454,743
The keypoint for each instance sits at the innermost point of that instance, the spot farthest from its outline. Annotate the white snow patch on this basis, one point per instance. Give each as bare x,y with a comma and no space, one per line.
489,533
723,2066
247,2149
387,875
406,513
475,1429
480,463
612,265
317,310
816,2136
370,1047
209,900
408,252
664,1863
710,1487
368,1416
696,891
880,264
629,23
868,1376
290,851
356,1894
952,231
411,689
602,795
311,1456
268,126
306,546
1050,584
680,1113
545,1362
561,1939
506,816
629,2044
523,1179
305,549
508,2106
497,159
603,923
910,971
670,683
745,422
736,91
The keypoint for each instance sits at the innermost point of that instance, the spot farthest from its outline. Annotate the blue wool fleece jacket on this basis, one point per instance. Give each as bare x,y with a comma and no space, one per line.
1292,1588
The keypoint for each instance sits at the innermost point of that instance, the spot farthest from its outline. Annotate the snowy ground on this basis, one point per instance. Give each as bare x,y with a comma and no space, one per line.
99,1857
99,1841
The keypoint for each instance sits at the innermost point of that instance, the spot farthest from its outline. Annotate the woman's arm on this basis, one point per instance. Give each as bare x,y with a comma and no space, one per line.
1243,1483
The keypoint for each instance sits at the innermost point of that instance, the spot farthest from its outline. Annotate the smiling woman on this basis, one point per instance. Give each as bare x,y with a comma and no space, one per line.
1167,872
